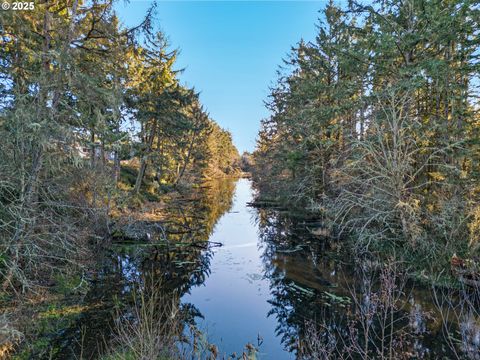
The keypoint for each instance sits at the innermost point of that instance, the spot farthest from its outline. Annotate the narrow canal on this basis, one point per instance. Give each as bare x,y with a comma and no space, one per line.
234,299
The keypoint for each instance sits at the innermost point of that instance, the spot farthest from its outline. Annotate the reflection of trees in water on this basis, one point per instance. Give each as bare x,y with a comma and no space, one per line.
290,263
459,319
359,310
181,262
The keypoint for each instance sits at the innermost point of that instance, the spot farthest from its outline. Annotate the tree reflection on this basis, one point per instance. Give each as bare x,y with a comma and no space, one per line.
296,279
179,255
327,307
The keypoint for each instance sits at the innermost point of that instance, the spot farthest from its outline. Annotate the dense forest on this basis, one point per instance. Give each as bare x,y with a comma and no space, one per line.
91,114
353,233
375,128
95,124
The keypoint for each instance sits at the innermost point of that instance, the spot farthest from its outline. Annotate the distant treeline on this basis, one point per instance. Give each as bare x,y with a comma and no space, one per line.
79,94
375,127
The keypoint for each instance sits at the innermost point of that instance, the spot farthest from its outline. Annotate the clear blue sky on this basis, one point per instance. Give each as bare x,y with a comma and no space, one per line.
230,51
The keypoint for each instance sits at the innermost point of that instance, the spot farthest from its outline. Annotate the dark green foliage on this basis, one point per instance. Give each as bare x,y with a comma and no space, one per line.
375,129
91,113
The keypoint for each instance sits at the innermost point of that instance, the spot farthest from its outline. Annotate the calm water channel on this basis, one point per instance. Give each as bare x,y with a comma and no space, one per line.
264,279
235,299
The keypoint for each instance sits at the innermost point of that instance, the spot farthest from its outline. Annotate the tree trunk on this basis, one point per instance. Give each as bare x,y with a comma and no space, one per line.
143,163
187,158
92,148
116,166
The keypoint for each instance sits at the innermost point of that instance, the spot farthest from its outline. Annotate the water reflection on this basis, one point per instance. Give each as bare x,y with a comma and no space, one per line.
234,298
297,273
277,283
179,254
329,306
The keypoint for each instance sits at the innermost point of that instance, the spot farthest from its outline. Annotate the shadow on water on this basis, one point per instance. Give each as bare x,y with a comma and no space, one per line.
275,285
